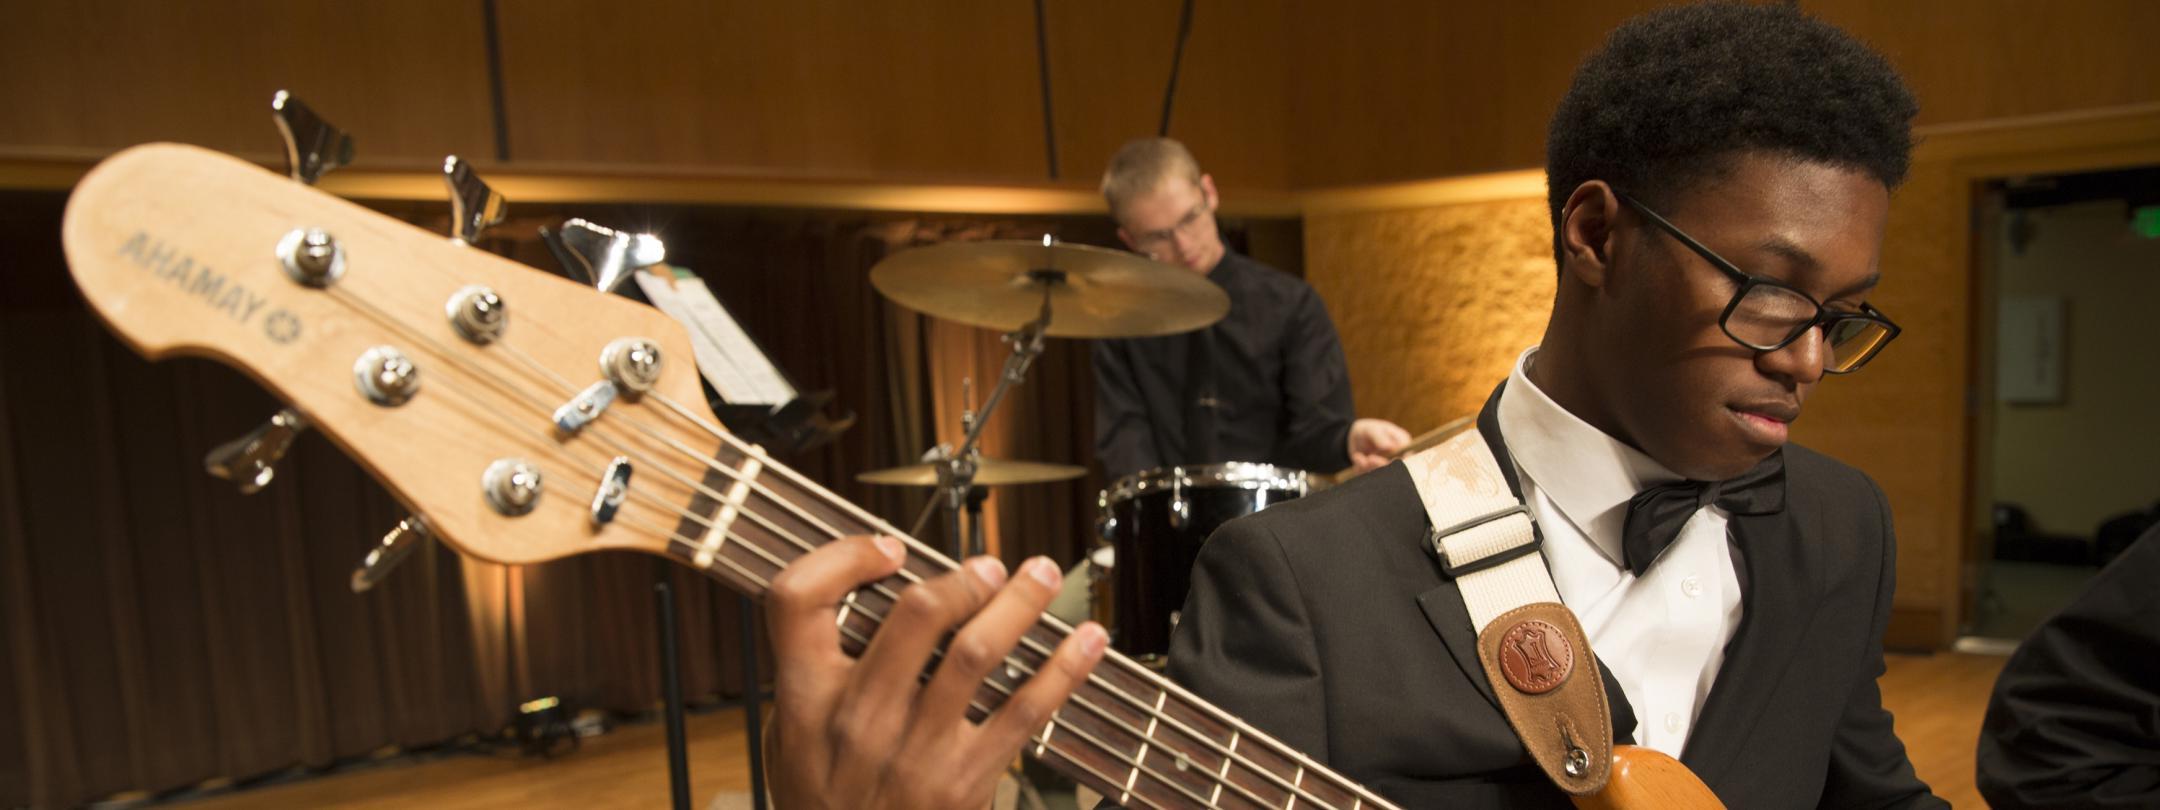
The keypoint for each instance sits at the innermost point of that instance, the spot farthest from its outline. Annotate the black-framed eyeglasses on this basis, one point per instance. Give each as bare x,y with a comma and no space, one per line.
1187,225
1767,315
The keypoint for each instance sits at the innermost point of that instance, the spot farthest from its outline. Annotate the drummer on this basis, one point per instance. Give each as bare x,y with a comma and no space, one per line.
1265,384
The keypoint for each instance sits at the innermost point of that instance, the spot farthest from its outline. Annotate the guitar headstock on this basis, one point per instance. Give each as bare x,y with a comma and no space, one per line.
367,326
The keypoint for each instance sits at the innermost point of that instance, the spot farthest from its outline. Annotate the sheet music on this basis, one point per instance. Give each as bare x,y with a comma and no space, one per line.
726,355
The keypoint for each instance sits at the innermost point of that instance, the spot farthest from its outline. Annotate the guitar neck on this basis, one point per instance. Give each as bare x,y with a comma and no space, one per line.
1127,732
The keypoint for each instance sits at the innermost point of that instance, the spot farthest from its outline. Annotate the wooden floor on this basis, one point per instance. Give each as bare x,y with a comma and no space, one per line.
1938,701
624,768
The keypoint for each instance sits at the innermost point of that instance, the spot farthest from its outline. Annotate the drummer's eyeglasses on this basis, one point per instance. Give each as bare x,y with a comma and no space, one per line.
1767,315
1187,225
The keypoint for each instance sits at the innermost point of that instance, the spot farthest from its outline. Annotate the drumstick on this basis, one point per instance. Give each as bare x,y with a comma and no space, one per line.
1434,436
1424,440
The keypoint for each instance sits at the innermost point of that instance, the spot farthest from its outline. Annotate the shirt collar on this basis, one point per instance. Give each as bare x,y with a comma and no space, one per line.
1587,473
1224,266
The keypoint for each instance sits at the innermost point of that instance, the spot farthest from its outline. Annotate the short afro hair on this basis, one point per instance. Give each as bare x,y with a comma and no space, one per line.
1675,93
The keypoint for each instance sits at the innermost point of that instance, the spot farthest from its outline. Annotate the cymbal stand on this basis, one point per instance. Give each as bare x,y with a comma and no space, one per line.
956,468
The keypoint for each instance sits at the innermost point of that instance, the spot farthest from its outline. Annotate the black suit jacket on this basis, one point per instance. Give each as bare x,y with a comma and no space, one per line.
1326,622
2075,720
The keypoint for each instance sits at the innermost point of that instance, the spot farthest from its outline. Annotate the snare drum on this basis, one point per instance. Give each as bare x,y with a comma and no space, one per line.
1157,519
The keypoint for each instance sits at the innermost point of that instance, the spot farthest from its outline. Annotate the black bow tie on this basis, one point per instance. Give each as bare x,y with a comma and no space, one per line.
1656,515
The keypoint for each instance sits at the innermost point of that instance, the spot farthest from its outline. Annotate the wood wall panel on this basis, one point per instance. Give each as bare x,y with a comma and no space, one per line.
1274,94
812,88
407,77
1386,90
1110,64
1971,60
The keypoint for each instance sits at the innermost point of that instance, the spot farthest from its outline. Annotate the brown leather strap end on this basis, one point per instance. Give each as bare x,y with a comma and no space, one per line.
1541,667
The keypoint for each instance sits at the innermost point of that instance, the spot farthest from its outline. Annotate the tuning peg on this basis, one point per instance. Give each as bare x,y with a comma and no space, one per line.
312,146
473,204
396,545
251,460
604,258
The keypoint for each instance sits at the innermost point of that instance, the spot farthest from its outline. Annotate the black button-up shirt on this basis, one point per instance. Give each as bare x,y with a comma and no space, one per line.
1270,377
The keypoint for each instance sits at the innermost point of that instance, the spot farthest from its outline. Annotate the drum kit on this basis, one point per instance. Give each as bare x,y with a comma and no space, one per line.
1151,523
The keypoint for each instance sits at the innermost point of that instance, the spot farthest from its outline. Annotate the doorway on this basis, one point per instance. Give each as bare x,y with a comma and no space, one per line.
2066,453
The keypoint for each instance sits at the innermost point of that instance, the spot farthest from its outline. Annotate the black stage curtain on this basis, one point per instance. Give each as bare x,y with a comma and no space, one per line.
163,630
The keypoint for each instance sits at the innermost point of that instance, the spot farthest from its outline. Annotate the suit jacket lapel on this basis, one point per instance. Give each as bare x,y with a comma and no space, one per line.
1443,607
1778,604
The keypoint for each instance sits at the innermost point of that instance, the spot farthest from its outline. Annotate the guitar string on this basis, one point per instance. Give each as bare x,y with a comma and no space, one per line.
1057,720
549,446
1359,793
534,367
1136,703
931,556
877,617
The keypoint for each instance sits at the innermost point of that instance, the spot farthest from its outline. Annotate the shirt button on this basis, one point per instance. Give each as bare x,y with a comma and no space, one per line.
1672,722
1691,586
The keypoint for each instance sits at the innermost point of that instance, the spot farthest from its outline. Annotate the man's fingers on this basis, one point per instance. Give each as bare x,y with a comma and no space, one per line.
811,669
805,597
883,685
985,643
1030,708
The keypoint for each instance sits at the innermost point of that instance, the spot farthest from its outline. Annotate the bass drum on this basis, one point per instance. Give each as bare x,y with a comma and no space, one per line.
1156,521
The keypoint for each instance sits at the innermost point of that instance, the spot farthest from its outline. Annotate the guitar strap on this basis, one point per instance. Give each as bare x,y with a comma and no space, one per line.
1533,650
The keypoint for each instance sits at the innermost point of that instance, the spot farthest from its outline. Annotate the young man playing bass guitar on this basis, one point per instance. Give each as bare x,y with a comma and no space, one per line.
1720,179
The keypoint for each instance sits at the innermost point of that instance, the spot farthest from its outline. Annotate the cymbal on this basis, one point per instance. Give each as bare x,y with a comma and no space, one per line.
989,472
1094,292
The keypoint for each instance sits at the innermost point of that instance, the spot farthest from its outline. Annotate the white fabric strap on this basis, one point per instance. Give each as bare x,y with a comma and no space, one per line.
1476,519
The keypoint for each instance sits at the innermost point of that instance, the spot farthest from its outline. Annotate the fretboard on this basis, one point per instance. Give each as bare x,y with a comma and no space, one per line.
1127,732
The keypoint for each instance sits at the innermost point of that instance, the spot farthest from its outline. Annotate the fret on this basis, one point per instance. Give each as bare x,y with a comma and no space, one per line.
717,535
1299,782
1147,774
1076,725
1222,776
1102,783
1147,740
847,606
1185,731
1049,728
1184,759
1327,789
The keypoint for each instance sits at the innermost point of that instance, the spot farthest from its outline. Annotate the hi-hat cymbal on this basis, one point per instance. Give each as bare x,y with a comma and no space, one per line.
989,472
1094,293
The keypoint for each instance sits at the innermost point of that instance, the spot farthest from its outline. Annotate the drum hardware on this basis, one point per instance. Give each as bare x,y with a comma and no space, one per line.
1033,290
956,468
989,472
1156,521
1180,509
1092,292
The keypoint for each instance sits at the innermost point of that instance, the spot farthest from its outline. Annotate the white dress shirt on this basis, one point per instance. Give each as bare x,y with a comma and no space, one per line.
1662,635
